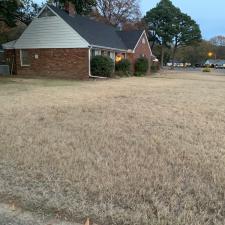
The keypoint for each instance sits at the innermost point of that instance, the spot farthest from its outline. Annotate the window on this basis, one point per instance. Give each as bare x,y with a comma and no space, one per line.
143,40
92,53
104,53
95,52
112,55
120,56
24,58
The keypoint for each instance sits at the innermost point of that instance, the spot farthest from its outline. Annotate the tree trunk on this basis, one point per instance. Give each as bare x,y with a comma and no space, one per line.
173,55
162,56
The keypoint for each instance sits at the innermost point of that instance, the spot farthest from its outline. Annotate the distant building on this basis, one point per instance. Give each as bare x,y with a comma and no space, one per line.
215,63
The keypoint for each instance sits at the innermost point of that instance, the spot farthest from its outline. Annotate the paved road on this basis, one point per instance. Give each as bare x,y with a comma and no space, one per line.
193,69
13,216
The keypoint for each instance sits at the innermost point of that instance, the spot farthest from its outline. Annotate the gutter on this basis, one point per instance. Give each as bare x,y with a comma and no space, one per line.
97,77
108,48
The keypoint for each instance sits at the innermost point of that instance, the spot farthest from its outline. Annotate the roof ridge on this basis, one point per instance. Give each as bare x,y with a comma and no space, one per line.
81,16
98,33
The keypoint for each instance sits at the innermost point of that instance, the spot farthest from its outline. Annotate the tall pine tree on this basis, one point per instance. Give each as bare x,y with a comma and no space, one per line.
170,28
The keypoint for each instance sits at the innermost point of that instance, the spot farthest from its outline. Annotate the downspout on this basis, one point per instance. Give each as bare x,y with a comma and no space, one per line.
89,66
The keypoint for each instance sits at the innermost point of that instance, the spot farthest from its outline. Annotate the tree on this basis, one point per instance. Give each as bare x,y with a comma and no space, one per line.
219,46
83,7
8,12
160,25
171,28
118,12
218,40
196,53
220,52
27,11
186,32
14,10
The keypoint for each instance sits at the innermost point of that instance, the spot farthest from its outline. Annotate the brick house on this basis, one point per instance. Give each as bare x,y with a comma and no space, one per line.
60,43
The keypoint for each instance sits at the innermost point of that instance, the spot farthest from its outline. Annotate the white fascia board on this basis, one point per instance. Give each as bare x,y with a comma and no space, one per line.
45,5
108,48
9,45
147,42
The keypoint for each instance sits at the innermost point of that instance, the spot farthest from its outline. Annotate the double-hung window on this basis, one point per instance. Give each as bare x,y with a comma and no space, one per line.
24,57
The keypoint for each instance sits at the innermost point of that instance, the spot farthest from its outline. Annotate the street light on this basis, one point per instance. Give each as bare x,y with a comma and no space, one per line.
210,54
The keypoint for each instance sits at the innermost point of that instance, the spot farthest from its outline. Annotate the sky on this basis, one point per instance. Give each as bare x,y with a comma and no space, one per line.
210,15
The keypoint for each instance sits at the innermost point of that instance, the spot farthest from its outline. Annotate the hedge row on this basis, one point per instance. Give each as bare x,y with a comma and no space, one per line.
103,66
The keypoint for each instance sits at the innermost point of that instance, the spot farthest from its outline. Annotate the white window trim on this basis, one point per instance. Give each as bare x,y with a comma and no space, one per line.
21,60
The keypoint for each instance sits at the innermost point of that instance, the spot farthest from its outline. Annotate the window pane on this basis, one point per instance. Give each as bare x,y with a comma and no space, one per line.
97,52
112,55
92,53
25,59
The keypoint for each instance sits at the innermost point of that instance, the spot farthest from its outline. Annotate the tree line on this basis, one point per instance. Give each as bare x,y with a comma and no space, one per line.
173,35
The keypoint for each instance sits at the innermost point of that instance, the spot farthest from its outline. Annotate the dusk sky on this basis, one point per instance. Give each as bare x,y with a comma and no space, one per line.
210,15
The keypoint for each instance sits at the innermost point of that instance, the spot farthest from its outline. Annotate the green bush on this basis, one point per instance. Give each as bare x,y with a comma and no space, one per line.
206,70
101,66
123,67
141,66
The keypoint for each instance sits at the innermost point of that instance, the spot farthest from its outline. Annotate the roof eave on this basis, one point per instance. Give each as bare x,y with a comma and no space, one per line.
110,48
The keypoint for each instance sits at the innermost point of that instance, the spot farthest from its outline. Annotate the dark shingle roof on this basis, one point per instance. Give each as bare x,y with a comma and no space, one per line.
98,33
130,38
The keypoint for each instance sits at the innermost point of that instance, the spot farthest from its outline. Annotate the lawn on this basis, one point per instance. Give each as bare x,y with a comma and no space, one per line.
124,151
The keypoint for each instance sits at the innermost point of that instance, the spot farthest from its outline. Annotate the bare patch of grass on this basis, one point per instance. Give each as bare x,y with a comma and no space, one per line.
128,151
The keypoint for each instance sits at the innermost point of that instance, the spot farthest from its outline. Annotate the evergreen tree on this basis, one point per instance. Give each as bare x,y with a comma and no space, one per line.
170,28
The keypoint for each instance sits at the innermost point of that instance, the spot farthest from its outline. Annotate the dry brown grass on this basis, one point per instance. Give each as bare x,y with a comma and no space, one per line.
128,151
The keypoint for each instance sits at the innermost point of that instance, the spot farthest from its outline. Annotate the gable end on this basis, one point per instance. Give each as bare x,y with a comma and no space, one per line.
140,42
50,32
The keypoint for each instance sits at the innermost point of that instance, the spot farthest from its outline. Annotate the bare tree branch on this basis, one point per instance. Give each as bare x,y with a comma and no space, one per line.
119,11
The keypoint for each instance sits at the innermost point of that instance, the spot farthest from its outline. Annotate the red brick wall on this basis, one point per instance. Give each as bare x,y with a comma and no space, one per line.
141,50
68,63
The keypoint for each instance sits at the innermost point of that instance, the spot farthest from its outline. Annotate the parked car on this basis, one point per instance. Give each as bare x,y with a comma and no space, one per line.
220,66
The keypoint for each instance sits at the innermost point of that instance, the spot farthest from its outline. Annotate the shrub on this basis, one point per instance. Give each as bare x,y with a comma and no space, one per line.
206,70
123,67
141,66
101,66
